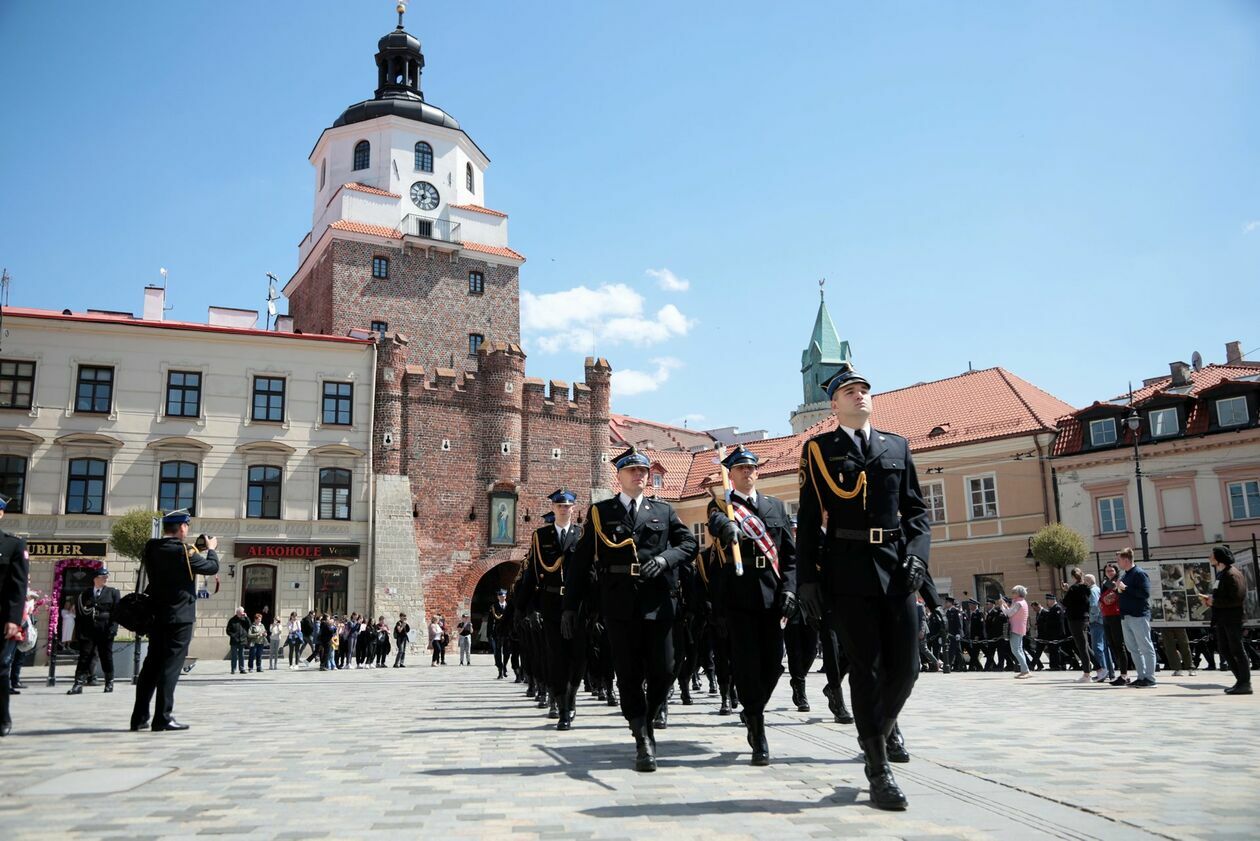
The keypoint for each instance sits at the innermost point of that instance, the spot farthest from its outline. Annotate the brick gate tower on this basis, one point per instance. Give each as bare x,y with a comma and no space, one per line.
466,447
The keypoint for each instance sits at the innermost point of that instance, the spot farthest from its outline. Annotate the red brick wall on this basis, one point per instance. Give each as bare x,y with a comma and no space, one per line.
425,298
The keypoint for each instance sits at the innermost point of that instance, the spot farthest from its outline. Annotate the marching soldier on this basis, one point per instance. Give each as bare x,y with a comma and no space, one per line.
528,625
636,545
94,618
757,590
954,634
550,549
15,569
496,631
868,566
171,566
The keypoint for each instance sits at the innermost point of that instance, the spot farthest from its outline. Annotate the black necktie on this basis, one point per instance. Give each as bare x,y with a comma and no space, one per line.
562,531
861,442
634,504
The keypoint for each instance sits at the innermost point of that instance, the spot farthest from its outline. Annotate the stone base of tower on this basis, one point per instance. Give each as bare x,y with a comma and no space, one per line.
808,414
396,582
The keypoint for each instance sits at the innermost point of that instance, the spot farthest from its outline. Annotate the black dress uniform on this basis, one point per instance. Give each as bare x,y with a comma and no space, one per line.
496,632
95,625
869,564
15,569
636,546
171,567
709,566
548,560
757,601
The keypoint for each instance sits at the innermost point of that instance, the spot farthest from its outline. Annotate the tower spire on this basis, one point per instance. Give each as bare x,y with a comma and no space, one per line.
401,9
822,281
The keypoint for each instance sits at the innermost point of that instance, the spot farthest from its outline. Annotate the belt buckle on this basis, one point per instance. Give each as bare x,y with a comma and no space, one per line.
562,589
761,562
634,569
877,536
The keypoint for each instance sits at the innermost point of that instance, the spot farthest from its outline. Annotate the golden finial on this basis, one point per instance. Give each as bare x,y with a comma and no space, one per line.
400,8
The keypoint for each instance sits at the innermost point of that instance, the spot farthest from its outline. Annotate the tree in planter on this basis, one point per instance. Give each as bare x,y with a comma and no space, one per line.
1059,546
131,531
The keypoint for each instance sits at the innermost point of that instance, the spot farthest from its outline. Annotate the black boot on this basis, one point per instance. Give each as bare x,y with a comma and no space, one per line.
685,695
541,697
896,746
77,689
798,695
695,682
109,685
662,717
565,718
885,793
734,696
757,738
6,723
725,709
835,702
644,748
530,691
554,712
612,696
713,690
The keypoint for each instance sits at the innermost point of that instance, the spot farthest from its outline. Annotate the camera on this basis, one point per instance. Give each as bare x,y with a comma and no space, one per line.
200,543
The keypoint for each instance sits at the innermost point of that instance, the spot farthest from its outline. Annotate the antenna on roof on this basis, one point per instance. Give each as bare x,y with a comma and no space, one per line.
164,307
4,300
1196,361
272,297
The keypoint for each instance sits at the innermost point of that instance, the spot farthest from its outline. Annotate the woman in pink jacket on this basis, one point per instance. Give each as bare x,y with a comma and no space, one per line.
1017,612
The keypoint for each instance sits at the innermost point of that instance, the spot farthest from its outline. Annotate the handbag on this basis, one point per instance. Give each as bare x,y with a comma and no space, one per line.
30,636
137,611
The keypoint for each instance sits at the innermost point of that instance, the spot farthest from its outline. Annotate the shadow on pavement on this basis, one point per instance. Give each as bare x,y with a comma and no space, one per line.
844,796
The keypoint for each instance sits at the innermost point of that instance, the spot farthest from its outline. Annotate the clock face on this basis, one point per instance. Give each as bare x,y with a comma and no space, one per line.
424,195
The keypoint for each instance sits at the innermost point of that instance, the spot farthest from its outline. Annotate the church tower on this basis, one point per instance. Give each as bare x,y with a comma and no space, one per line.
401,238
822,357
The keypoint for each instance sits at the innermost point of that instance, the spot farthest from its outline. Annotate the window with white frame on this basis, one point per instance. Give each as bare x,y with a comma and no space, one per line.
1102,432
701,532
1163,422
934,499
982,491
1244,499
1231,411
1111,516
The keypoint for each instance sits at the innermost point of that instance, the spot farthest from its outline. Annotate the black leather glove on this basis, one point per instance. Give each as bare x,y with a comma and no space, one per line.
810,599
651,568
787,603
730,533
568,623
914,571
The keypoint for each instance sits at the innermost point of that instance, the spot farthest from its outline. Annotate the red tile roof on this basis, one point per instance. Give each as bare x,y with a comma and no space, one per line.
1071,438
627,431
364,228
476,208
364,188
494,249
167,324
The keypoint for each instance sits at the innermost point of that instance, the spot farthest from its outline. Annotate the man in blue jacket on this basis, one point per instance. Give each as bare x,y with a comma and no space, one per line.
1135,617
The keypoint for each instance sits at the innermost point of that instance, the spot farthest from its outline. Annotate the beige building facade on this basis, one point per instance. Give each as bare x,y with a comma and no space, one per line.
263,434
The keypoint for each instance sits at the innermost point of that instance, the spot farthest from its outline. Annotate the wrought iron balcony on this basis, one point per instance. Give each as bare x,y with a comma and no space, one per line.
442,230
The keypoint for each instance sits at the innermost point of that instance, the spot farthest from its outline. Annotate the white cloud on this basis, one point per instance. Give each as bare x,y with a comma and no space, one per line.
669,281
1253,225
580,319
628,382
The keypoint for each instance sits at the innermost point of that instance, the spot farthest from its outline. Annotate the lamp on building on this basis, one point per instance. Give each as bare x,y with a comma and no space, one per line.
1134,422
1029,556
527,515
472,513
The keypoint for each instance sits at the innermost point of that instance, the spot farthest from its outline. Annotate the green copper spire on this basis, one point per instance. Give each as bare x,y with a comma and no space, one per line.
824,354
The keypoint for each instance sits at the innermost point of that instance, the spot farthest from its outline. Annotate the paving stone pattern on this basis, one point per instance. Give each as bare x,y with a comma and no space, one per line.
450,752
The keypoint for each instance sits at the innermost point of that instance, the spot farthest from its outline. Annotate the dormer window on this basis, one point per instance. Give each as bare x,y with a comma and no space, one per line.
468,177
1232,411
1102,432
658,479
1163,422
424,157
362,155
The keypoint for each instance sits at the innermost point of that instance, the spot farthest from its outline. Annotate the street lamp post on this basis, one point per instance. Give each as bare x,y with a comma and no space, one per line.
1134,422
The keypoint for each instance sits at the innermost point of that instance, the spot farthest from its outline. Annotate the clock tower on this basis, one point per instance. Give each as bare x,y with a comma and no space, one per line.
401,238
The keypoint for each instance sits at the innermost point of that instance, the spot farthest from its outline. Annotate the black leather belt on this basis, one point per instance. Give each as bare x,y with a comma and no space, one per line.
623,569
872,536
557,590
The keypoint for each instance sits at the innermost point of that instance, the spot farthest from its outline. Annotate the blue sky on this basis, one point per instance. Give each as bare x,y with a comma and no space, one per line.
1068,190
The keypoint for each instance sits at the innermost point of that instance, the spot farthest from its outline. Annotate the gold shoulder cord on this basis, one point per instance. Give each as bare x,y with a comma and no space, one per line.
599,532
188,563
538,557
859,486
704,576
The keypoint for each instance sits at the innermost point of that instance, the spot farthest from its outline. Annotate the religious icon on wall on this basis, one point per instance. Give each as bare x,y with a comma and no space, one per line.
502,519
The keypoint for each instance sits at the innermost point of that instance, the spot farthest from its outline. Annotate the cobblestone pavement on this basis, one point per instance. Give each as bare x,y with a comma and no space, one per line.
450,752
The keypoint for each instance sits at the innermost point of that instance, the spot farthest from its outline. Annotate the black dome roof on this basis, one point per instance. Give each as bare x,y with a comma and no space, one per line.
411,109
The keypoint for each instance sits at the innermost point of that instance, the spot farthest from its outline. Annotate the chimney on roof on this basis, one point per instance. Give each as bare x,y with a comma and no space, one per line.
154,303
1180,373
284,324
1233,353
233,317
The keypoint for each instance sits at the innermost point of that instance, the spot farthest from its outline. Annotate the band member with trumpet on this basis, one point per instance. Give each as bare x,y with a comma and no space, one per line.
755,598
636,544
867,566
